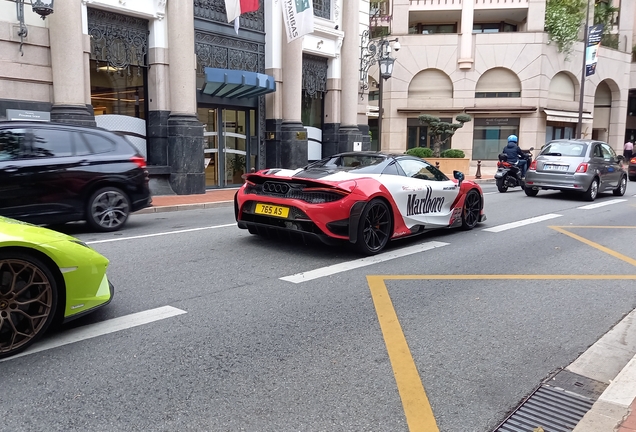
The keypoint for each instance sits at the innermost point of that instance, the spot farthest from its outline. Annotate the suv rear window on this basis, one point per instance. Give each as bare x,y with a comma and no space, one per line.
98,144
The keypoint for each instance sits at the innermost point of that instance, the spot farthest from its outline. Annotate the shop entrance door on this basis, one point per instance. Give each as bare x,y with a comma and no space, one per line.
227,144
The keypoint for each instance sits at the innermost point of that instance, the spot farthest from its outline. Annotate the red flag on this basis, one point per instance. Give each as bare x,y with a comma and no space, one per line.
235,8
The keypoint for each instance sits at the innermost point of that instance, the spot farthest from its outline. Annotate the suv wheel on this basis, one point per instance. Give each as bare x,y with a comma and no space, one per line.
108,209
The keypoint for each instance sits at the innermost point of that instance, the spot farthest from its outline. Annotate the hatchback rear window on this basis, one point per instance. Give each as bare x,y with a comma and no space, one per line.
564,148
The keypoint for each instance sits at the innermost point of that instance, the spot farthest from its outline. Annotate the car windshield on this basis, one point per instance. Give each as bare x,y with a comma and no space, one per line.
564,148
351,162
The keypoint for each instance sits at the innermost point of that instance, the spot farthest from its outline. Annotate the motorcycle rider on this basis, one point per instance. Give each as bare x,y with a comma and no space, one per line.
515,155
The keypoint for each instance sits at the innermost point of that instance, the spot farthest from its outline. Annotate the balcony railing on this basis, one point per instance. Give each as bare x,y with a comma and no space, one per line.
457,4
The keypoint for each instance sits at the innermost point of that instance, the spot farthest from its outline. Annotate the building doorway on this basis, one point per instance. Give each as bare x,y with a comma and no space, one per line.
227,144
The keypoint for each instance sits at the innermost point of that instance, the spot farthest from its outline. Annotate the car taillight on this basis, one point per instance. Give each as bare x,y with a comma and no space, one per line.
139,161
533,166
632,160
581,168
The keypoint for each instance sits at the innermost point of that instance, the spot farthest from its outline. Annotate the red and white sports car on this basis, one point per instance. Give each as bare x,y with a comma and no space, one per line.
365,198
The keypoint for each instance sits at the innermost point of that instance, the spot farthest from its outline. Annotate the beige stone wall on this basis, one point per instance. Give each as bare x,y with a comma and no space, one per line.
26,77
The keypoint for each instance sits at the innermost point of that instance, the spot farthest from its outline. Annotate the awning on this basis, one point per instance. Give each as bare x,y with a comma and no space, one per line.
236,84
567,116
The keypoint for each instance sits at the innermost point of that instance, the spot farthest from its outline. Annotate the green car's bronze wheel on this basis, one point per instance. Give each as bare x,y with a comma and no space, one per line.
28,298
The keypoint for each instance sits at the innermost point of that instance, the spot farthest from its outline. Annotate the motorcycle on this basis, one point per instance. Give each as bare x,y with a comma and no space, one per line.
509,174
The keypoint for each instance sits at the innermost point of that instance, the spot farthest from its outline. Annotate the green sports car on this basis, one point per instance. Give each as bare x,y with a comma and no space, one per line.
45,278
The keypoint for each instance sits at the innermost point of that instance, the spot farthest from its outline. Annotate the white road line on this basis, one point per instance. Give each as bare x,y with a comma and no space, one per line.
511,225
601,204
100,329
363,262
159,234
490,193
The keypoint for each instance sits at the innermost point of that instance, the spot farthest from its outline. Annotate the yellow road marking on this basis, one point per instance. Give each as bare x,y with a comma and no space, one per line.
418,411
417,408
609,251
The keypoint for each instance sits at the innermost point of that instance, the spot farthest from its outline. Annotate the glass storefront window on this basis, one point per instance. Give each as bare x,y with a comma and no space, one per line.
312,109
490,136
118,91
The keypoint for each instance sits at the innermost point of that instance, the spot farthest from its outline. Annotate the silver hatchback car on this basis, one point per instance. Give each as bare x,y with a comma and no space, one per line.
585,166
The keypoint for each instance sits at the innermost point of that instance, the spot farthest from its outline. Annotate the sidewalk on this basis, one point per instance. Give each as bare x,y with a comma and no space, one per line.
224,197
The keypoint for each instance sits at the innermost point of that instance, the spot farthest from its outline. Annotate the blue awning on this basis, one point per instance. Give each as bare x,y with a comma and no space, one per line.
236,84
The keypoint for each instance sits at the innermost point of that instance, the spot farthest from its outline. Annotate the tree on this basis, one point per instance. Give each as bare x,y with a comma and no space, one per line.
563,19
440,131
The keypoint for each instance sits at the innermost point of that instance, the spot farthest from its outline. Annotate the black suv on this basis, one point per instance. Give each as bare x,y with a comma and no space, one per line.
56,173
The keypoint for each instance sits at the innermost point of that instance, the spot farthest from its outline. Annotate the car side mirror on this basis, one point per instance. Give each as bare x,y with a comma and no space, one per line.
459,176
531,148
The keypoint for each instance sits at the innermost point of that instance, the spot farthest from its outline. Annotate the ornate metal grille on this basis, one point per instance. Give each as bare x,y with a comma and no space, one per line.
119,41
322,8
314,75
214,10
226,53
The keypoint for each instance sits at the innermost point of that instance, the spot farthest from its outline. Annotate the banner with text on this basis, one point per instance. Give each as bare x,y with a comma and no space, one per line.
299,18
594,35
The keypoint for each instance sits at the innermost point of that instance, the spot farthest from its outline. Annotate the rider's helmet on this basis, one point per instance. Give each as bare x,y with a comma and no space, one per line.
513,138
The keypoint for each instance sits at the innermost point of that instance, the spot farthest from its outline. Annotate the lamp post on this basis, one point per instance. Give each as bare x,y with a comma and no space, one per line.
579,126
372,52
40,7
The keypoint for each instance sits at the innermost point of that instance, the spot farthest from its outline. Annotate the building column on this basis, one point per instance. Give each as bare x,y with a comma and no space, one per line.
331,123
158,94
185,132
293,147
536,16
466,42
67,65
349,132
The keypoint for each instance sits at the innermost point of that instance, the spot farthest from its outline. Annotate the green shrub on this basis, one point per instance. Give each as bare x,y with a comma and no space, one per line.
420,152
453,153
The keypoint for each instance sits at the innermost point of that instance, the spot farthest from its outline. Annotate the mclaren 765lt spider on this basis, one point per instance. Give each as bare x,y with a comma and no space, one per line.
364,198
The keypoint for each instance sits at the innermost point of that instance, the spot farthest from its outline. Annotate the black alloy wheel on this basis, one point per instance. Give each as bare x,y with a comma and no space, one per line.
108,209
471,210
502,185
28,300
622,187
374,229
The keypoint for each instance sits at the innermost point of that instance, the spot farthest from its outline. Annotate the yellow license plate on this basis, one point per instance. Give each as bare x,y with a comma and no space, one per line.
272,210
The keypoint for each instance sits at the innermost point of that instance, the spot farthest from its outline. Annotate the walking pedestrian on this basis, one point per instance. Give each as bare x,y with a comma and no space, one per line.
628,150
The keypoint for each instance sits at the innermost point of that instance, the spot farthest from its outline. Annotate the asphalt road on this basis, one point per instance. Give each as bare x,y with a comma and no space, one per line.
249,351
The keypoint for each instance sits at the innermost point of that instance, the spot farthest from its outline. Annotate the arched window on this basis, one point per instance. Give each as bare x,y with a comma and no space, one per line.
431,84
498,83
561,87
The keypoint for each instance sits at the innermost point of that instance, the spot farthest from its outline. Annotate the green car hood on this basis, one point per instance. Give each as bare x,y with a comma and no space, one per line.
13,230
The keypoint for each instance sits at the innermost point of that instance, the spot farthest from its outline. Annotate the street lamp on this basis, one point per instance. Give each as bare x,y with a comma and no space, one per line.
372,52
40,7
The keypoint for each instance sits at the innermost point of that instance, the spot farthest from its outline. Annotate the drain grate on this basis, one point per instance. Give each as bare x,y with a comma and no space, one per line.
556,406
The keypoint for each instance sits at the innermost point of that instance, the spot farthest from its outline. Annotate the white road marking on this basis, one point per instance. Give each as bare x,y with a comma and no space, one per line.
160,234
100,329
601,204
363,262
490,193
511,225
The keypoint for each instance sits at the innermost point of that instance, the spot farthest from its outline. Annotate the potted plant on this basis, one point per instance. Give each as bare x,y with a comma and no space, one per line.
237,165
441,132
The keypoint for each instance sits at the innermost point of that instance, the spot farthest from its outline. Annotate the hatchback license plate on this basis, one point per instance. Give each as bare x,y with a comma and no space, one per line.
555,167
272,210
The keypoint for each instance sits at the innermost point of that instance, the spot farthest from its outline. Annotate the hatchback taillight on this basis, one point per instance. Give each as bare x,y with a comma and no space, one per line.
139,161
632,160
581,168
533,166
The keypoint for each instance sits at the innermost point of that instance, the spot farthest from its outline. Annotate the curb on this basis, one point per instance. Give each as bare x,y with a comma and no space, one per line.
179,207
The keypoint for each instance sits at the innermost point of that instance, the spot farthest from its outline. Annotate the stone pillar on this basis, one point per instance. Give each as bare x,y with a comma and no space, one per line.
331,124
158,94
293,146
466,42
536,16
349,132
273,67
67,65
626,26
185,132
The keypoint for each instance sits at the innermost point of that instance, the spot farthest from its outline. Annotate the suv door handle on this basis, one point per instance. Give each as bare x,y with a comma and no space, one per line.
84,162
10,168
